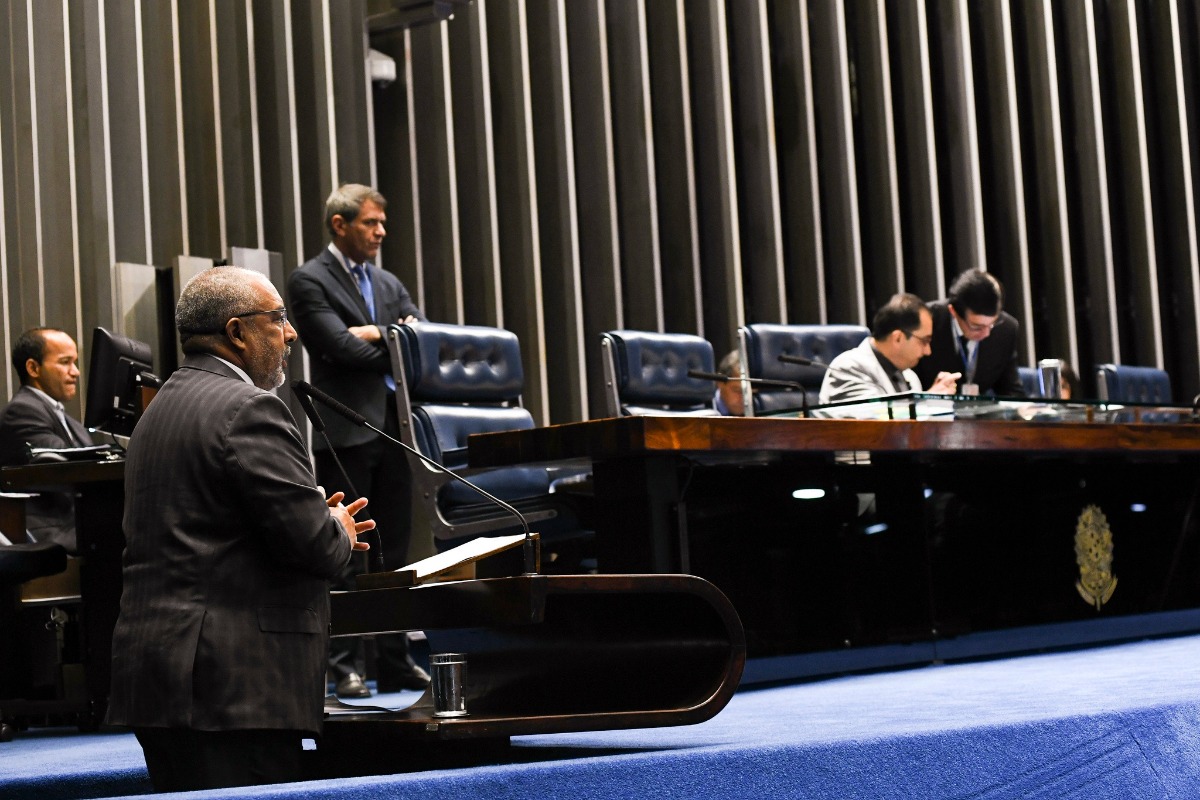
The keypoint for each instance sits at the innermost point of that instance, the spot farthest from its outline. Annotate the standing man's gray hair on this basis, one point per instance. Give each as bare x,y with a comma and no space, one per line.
346,201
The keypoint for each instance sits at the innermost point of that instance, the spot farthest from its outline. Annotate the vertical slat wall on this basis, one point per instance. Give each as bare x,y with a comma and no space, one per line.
563,167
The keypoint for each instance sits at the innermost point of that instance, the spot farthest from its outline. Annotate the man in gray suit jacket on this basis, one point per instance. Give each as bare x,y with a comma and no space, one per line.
47,364
219,650
342,302
883,364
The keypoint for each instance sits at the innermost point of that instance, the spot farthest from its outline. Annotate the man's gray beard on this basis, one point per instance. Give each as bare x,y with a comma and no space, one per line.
275,378
280,375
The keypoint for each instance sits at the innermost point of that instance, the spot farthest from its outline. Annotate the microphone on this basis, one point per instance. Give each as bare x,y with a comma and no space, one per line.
802,361
358,419
318,424
787,358
764,382
314,417
719,378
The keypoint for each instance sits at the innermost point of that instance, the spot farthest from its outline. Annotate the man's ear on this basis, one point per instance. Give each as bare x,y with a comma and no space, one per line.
338,223
33,369
235,332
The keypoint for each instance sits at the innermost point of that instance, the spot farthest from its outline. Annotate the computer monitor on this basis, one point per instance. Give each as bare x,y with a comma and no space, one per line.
120,367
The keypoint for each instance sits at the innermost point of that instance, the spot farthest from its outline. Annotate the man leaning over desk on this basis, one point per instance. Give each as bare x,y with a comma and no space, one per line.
972,334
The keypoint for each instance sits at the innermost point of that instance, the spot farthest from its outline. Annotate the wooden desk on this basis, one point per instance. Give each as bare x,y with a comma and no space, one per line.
99,510
946,528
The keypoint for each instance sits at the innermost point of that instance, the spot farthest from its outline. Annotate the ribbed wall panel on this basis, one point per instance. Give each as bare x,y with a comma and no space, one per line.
1049,211
565,167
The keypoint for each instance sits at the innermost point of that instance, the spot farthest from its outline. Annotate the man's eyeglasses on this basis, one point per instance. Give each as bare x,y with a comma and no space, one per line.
925,340
279,320
978,327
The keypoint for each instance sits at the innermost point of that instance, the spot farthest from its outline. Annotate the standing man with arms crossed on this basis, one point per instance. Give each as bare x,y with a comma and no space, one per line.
972,334
219,651
342,302
47,365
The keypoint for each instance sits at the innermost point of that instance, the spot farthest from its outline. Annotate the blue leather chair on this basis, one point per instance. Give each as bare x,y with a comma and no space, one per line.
647,373
1126,384
762,343
453,381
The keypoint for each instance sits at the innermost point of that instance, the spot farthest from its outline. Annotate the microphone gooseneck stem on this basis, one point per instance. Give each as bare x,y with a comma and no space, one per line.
530,567
377,561
359,419
314,417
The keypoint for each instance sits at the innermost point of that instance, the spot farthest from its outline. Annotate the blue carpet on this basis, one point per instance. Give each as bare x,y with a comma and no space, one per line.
1111,722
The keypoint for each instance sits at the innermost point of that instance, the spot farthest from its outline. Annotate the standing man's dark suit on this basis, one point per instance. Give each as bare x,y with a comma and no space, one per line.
324,303
995,365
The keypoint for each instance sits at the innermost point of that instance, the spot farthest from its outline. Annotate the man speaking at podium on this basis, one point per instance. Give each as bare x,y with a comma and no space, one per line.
219,650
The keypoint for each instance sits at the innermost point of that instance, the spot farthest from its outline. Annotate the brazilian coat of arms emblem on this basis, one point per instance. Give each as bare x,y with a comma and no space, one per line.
1094,555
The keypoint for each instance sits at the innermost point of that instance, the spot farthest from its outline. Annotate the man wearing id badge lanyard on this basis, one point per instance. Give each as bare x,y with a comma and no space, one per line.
972,334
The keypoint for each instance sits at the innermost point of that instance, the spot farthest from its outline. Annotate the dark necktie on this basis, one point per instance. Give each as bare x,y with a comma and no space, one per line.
359,271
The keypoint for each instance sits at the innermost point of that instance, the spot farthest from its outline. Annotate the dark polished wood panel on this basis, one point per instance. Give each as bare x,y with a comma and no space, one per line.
646,435
923,531
555,653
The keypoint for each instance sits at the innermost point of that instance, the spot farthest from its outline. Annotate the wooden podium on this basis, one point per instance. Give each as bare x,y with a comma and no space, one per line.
550,654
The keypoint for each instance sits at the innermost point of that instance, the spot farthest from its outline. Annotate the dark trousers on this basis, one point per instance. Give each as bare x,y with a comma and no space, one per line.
378,470
184,760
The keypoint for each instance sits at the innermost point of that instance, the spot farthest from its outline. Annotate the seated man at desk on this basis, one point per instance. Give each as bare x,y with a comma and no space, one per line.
728,399
883,364
47,365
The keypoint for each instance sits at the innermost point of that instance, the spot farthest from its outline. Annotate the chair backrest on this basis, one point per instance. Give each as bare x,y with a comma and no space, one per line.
1030,381
1126,384
453,381
762,343
647,373
459,380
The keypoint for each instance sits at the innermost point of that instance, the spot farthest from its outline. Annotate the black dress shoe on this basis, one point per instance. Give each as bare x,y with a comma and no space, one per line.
352,686
413,678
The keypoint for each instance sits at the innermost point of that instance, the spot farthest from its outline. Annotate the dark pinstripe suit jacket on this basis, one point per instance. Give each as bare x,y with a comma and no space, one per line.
28,421
322,303
229,547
